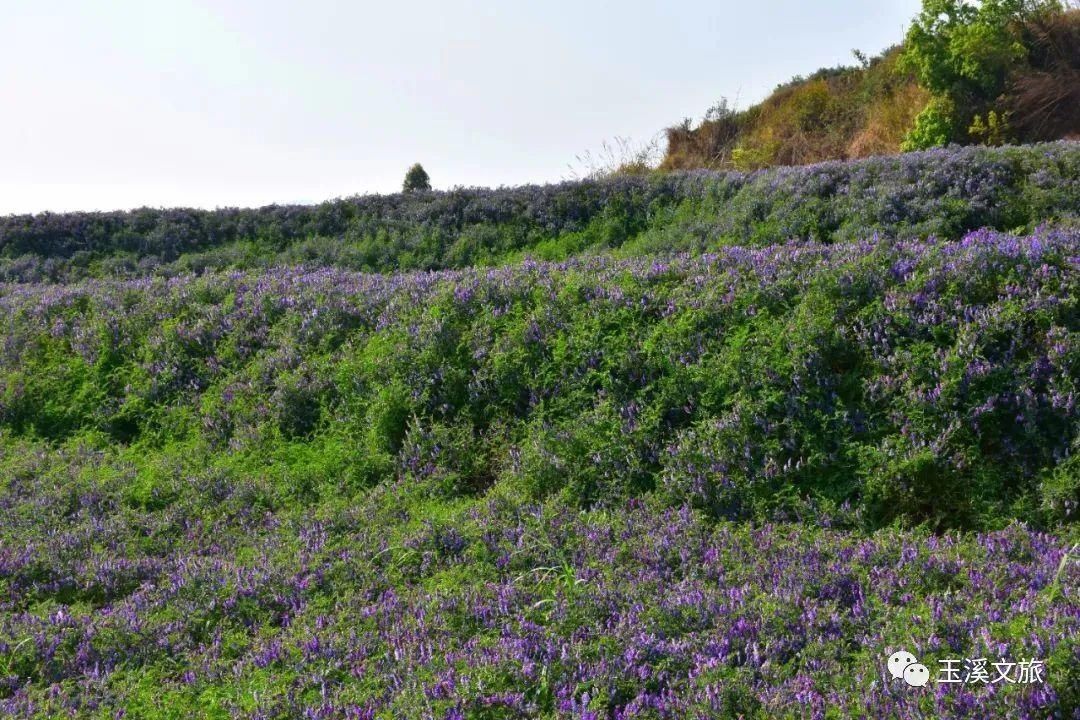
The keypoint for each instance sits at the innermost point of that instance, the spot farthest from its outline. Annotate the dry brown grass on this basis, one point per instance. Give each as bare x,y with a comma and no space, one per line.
1044,99
888,121
835,114
708,145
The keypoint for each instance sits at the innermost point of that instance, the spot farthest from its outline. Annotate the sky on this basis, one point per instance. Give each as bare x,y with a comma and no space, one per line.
113,104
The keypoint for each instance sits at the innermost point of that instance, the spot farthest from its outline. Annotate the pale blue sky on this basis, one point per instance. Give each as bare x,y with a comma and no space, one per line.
121,103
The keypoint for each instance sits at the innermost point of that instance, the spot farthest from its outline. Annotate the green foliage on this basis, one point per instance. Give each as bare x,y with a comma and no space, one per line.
963,52
1060,491
994,130
962,49
934,126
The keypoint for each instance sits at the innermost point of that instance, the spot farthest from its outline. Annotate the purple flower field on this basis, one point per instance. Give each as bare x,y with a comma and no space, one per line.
500,612
684,486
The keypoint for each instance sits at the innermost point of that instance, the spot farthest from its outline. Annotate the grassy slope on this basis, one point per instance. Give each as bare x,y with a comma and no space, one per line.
834,114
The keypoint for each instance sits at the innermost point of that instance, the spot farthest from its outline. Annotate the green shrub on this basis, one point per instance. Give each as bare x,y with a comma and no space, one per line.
963,53
934,126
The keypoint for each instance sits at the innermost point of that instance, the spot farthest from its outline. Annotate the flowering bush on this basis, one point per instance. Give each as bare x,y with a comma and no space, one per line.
862,383
941,192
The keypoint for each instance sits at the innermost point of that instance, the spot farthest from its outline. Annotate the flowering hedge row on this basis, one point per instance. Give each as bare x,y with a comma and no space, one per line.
941,192
862,383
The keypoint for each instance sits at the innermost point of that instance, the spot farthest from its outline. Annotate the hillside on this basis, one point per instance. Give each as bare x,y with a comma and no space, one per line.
692,446
871,108
787,428
943,193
